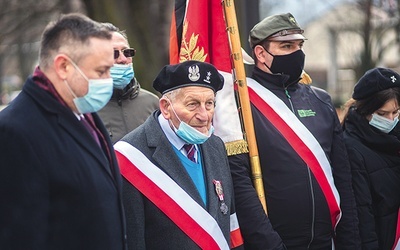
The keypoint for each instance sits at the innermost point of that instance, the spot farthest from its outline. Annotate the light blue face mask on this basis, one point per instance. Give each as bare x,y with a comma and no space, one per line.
99,93
122,74
382,123
190,134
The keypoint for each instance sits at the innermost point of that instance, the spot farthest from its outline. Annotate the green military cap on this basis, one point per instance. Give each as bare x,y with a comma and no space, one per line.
282,27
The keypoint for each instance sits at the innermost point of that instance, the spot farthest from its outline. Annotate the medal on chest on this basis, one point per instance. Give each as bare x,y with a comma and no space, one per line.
220,193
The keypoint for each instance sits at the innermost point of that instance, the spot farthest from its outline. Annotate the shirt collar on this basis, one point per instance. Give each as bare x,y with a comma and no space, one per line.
171,135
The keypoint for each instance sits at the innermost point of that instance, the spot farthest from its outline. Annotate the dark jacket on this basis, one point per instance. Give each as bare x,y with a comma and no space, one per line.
127,109
58,190
148,227
375,166
298,213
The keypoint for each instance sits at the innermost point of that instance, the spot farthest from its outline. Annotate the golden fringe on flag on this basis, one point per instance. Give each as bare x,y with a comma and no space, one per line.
236,147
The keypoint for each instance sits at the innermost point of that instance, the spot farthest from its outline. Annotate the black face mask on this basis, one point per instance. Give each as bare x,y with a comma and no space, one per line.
291,65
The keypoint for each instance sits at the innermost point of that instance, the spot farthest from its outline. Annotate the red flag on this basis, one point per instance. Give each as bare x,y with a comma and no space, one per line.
198,32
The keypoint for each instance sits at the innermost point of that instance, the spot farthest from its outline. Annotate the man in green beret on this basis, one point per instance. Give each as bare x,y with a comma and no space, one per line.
304,163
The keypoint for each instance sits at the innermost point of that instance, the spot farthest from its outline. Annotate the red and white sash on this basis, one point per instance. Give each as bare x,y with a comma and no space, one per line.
301,140
170,198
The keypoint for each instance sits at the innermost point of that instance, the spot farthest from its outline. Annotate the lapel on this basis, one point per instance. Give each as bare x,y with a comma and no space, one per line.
212,161
72,126
68,122
166,159
99,124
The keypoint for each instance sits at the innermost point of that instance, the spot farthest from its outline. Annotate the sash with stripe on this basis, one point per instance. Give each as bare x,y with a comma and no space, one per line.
172,200
301,140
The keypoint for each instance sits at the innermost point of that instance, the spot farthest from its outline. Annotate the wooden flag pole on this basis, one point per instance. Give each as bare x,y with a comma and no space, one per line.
240,80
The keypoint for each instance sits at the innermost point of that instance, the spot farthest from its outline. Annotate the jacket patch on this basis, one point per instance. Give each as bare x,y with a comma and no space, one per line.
306,112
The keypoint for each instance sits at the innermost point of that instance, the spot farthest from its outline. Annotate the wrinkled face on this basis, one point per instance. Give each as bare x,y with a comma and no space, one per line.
193,105
389,110
119,43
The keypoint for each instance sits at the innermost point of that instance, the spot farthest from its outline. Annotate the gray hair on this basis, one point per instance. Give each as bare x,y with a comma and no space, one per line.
171,95
112,28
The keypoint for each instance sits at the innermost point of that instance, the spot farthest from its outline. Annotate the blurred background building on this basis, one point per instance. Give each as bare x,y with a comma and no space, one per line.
345,37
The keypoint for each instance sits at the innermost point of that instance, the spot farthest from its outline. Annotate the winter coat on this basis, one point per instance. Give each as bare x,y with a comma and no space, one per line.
375,166
127,109
298,212
58,188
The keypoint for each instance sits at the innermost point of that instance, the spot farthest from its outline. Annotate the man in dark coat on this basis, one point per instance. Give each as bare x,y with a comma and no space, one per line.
306,173
60,186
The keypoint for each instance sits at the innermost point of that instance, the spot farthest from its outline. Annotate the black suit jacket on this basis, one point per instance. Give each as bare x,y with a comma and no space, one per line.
58,189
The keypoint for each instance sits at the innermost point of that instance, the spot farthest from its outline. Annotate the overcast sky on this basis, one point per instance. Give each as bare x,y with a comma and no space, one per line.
303,11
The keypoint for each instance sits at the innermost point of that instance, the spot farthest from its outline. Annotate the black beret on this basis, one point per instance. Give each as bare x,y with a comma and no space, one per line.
188,73
375,80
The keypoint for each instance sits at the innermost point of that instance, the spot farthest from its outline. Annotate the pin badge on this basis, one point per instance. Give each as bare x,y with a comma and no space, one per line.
220,192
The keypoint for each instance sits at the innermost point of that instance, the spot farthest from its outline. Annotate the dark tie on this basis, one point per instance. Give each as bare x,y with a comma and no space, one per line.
190,150
90,129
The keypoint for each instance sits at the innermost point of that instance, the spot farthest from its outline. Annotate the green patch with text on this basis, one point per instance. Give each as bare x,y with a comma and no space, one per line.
306,113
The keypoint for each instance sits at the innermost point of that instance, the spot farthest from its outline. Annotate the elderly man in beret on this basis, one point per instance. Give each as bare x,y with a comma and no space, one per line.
306,173
178,191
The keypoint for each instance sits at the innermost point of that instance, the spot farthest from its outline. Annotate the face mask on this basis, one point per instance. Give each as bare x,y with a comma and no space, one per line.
382,123
122,74
99,93
291,64
190,134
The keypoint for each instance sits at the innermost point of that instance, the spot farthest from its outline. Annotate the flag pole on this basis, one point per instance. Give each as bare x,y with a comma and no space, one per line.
240,80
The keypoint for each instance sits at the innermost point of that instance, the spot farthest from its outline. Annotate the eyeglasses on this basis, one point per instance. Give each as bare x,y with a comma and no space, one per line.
129,52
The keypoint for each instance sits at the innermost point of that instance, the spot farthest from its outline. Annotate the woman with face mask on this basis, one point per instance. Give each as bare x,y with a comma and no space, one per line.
372,137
